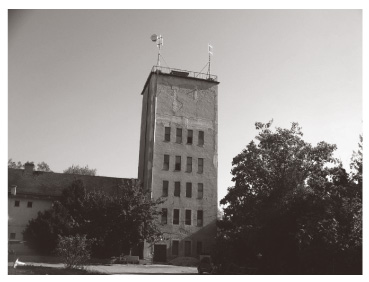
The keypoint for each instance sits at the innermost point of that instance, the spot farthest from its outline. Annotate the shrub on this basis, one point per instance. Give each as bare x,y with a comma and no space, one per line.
74,250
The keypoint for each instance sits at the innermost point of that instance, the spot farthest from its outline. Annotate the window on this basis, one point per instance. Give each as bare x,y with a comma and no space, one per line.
167,134
201,138
189,136
164,216
200,165
166,162
12,235
188,217
178,163
187,248
179,135
188,189
200,191
176,216
189,164
200,218
165,188
29,205
175,247
177,189
199,247
16,203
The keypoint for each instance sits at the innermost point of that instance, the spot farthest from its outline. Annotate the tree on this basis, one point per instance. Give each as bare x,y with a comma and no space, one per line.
117,222
12,164
74,250
80,170
291,202
42,166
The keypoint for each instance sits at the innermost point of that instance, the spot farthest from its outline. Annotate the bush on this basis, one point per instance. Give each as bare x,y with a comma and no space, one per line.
74,250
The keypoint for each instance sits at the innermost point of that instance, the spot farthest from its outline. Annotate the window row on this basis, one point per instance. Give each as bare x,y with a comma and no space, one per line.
179,136
17,204
178,164
187,248
177,189
188,217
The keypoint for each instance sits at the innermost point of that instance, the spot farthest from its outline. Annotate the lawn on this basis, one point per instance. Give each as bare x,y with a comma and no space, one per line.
40,270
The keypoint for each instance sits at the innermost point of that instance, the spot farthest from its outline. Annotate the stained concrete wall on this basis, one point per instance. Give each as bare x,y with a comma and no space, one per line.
190,104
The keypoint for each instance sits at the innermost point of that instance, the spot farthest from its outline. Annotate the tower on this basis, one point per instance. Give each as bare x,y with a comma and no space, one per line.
178,159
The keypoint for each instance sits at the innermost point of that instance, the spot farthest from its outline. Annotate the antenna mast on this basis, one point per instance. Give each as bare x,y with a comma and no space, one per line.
160,42
210,51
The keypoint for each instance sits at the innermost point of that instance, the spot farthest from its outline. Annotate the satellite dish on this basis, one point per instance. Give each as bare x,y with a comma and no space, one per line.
154,37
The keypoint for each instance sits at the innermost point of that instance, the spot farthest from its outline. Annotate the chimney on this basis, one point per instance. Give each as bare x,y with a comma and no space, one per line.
13,190
28,167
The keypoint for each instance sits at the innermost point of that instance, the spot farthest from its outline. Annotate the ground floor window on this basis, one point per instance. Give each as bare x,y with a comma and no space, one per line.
187,248
199,247
12,235
175,247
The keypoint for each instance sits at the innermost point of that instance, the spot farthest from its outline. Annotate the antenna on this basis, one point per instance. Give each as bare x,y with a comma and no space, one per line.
160,42
210,51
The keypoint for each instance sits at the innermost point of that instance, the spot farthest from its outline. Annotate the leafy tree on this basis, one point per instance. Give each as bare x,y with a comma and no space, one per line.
12,164
74,250
118,222
292,202
42,232
80,170
43,167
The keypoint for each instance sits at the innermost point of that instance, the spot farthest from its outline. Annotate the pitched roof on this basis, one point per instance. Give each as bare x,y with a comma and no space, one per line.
51,184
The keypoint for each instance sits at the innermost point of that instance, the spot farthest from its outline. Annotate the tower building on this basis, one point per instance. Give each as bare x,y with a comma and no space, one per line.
178,159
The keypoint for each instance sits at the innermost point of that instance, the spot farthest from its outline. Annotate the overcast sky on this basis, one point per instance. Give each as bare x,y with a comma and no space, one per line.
75,79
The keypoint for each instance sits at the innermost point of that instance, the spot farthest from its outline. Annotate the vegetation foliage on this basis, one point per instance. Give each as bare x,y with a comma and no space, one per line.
76,169
74,250
117,222
294,204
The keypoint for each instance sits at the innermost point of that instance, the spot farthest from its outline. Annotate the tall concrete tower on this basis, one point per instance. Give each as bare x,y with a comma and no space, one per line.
178,159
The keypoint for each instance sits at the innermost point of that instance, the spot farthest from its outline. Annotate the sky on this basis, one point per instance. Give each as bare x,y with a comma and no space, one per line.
75,78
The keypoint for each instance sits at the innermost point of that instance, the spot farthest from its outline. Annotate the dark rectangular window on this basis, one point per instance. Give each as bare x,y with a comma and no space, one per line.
200,218
199,248
12,235
200,165
189,164
188,189
29,205
179,135
188,217
201,138
175,247
200,191
167,134
166,162
16,203
176,216
164,216
165,188
178,163
189,136
187,248
177,189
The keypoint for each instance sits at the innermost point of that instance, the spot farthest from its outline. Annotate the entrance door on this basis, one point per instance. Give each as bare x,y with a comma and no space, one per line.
160,253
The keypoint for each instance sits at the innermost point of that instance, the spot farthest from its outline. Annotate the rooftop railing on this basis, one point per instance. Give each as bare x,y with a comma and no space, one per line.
184,73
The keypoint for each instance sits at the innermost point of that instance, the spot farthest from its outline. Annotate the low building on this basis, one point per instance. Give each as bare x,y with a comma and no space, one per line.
31,192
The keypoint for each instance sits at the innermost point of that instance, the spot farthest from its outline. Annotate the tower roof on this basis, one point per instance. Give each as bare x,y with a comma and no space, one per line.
180,73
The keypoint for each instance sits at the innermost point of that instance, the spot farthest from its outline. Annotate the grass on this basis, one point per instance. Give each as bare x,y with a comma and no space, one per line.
40,270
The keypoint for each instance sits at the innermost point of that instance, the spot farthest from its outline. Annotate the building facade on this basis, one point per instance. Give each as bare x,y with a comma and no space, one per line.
178,159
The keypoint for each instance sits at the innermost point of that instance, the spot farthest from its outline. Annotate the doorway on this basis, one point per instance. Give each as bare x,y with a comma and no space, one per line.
160,253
